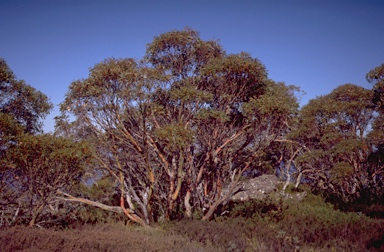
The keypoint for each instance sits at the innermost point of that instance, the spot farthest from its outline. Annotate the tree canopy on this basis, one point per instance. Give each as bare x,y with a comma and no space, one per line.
22,102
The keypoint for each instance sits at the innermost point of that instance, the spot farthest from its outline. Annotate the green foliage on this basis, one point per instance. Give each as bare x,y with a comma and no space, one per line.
340,171
205,115
175,136
23,103
181,53
376,77
6,74
235,78
278,100
271,209
187,94
9,132
36,167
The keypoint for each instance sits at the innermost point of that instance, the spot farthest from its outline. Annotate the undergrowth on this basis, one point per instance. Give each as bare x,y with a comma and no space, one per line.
272,224
280,225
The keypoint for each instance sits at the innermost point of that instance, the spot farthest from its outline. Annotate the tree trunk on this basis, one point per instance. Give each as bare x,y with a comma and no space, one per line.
188,207
288,179
35,213
211,211
217,202
298,180
117,209
287,173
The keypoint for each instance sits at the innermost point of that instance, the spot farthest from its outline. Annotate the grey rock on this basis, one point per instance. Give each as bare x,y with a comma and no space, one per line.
260,187
256,188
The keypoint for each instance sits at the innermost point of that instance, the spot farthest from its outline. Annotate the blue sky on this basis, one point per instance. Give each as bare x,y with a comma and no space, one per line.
317,45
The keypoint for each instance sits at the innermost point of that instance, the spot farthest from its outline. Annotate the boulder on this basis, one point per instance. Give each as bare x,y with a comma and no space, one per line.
260,187
256,188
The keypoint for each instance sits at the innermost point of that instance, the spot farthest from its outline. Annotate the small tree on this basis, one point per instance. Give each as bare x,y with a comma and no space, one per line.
20,101
376,136
21,110
334,129
37,167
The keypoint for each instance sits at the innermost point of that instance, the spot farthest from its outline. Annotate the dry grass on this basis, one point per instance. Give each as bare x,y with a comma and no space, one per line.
105,237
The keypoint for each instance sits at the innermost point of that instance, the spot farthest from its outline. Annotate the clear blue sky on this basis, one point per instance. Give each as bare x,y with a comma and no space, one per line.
316,45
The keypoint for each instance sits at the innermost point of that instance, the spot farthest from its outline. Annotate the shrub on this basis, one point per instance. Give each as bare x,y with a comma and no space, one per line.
271,208
276,225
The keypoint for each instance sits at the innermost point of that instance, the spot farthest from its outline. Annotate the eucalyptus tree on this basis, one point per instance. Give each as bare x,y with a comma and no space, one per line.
42,165
33,166
178,126
23,103
376,136
334,130
22,108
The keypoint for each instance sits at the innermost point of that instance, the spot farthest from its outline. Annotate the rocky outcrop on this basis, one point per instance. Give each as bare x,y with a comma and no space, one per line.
256,188
260,187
